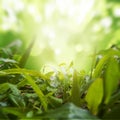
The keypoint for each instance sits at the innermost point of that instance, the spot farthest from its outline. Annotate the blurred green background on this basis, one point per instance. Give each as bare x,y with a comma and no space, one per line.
64,30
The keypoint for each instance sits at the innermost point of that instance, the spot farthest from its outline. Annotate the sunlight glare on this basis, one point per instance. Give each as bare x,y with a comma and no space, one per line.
84,9
58,51
31,9
49,9
79,48
106,22
116,12
14,5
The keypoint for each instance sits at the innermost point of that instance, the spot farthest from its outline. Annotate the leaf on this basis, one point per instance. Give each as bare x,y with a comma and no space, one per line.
75,92
55,102
22,83
5,52
71,65
29,114
4,87
26,55
17,100
14,89
95,95
15,44
14,111
114,98
3,116
21,71
27,74
111,79
49,74
106,54
14,96
7,60
114,114
68,112
99,67
38,91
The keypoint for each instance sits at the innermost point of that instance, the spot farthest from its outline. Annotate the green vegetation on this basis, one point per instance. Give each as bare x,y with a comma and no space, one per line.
59,59
62,92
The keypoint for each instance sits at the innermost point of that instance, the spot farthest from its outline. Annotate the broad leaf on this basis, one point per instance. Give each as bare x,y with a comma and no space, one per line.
95,95
111,78
99,67
68,112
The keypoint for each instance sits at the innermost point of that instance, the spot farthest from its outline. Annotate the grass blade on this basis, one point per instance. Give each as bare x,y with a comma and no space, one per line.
26,55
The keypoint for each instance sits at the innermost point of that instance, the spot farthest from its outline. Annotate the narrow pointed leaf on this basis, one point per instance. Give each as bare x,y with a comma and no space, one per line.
26,55
75,96
38,91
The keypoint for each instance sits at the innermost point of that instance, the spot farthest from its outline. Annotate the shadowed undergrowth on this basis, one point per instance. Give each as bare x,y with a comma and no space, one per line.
60,92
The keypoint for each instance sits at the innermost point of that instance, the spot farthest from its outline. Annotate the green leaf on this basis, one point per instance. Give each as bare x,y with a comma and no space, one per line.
99,67
111,79
17,100
14,89
14,96
95,95
29,79
29,114
114,98
71,65
14,111
75,95
68,112
7,60
4,87
55,102
3,116
26,55
106,54
22,71
114,113
38,91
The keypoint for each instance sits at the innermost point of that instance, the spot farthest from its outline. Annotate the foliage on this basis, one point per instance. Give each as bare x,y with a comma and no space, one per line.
61,92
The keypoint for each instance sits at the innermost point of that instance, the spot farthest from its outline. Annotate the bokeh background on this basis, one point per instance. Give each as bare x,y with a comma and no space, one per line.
64,30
